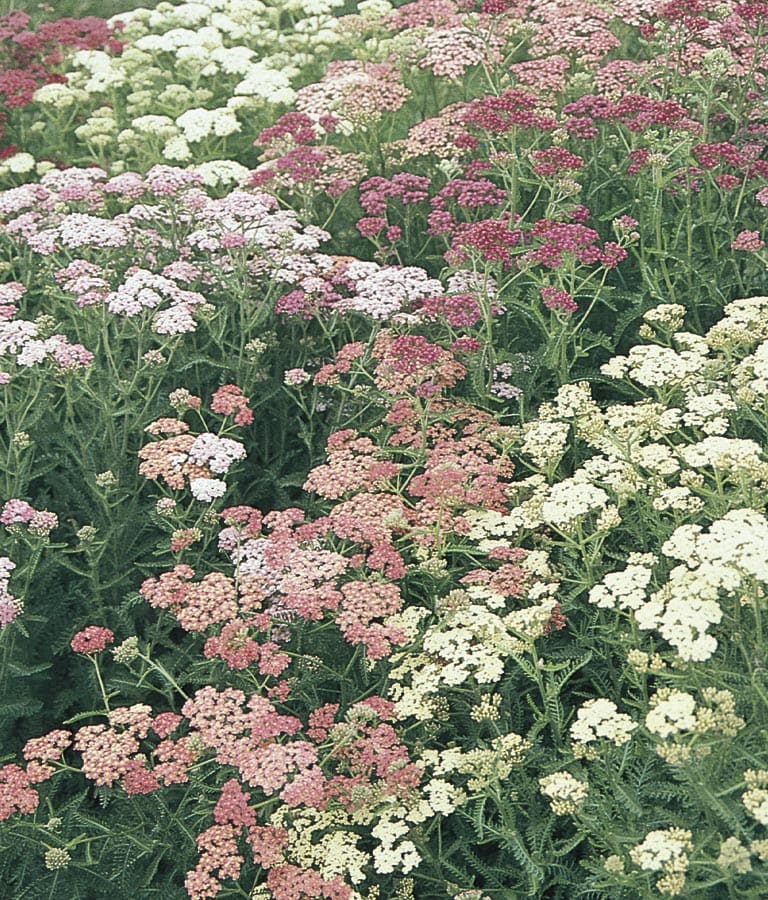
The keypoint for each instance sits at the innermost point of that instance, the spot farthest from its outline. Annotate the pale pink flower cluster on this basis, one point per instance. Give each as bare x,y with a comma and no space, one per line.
435,136
83,230
15,334
10,294
48,747
76,185
19,337
9,605
24,198
573,27
18,512
196,605
105,753
451,51
356,93
56,349
215,453
251,221
168,181
383,291
85,280
296,377
620,76
16,795
144,290
542,76
749,241
363,603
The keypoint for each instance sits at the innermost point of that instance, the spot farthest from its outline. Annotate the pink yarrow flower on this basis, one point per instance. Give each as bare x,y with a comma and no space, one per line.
749,241
92,639
560,301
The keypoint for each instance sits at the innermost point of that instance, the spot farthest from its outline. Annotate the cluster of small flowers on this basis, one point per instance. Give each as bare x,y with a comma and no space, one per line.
449,52
665,850
755,798
433,137
308,170
564,792
599,718
18,337
186,459
500,385
410,362
636,112
208,231
10,294
355,286
143,290
195,54
30,57
674,713
355,94
513,108
309,839
482,765
714,562
558,241
10,606
576,29
112,753
92,639
558,300
475,632
16,792
40,522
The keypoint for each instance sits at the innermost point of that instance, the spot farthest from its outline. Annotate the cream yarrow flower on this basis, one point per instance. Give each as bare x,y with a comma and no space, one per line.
755,798
599,718
564,792
734,855
665,850
671,712
570,500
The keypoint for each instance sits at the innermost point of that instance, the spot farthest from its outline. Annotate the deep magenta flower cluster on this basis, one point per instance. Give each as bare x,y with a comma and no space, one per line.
29,56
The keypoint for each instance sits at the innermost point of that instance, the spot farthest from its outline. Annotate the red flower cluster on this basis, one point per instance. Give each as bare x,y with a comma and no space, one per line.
556,239
635,111
555,161
407,188
492,239
512,108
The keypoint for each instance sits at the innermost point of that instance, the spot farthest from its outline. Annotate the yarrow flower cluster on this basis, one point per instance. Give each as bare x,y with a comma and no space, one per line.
185,459
665,850
39,522
10,606
92,639
450,628
564,792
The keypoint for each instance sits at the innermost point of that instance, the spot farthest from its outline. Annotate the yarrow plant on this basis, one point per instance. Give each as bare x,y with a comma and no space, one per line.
384,474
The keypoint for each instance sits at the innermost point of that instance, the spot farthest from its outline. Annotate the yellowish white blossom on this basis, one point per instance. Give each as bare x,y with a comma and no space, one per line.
564,792
734,855
755,798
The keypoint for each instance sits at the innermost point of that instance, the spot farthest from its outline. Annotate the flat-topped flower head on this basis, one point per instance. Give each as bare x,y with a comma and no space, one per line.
92,639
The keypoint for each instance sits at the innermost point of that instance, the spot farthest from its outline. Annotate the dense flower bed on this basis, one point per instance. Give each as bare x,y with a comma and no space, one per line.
384,487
